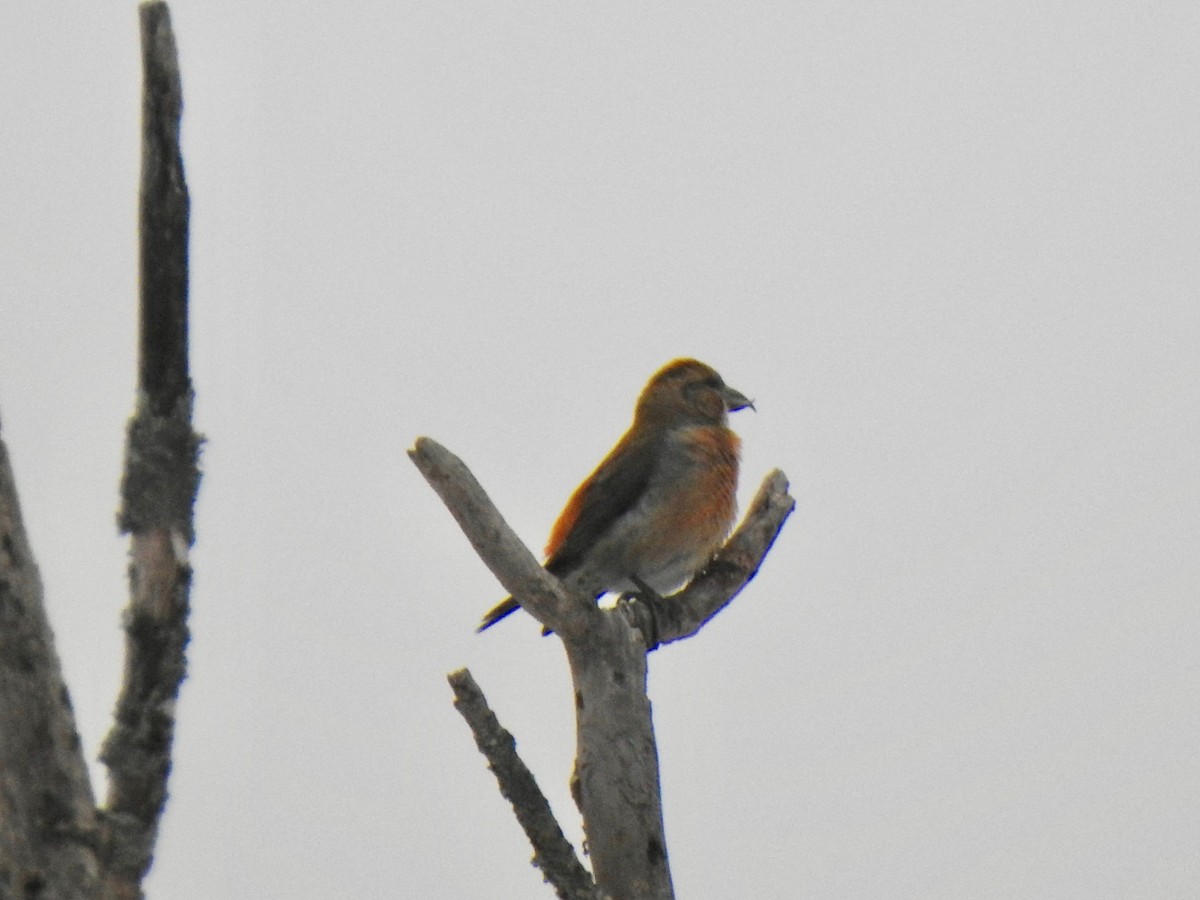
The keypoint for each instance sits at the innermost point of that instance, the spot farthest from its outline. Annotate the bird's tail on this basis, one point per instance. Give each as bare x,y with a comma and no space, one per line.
506,607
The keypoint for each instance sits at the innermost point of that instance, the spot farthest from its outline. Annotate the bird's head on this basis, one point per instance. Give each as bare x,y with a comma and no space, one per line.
686,390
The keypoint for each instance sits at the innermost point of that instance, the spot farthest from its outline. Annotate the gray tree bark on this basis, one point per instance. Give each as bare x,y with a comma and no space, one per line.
54,842
48,833
161,478
553,853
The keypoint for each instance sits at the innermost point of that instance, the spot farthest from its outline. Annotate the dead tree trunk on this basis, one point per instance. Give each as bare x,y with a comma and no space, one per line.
48,834
54,842
616,781
158,490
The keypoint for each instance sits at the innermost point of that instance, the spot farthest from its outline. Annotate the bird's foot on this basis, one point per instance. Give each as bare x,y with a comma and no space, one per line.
650,599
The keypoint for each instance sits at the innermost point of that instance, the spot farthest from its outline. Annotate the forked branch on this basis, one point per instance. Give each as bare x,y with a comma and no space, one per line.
159,486
616,782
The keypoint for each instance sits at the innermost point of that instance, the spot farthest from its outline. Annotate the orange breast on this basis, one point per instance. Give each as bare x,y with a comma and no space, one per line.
702,508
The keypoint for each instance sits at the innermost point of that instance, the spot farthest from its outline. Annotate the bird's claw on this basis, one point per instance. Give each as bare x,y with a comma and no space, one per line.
650,599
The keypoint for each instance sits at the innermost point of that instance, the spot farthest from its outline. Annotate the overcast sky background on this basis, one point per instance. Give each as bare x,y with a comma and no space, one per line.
951,252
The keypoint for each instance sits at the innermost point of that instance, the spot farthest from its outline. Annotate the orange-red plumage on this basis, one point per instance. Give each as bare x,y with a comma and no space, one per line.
661,503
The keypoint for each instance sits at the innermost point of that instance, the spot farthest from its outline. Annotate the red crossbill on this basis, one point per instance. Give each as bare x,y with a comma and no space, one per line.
660,504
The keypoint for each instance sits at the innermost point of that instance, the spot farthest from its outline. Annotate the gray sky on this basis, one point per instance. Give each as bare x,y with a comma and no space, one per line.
950,250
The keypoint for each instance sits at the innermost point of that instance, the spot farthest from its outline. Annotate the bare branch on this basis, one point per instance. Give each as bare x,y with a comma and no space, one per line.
552,852
539,592
159,485
163,213
48,831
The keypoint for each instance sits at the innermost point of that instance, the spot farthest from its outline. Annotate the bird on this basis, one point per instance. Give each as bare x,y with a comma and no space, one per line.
660,504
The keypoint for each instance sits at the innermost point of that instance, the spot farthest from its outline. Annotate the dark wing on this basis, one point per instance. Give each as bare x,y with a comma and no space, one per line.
611,491
616,486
